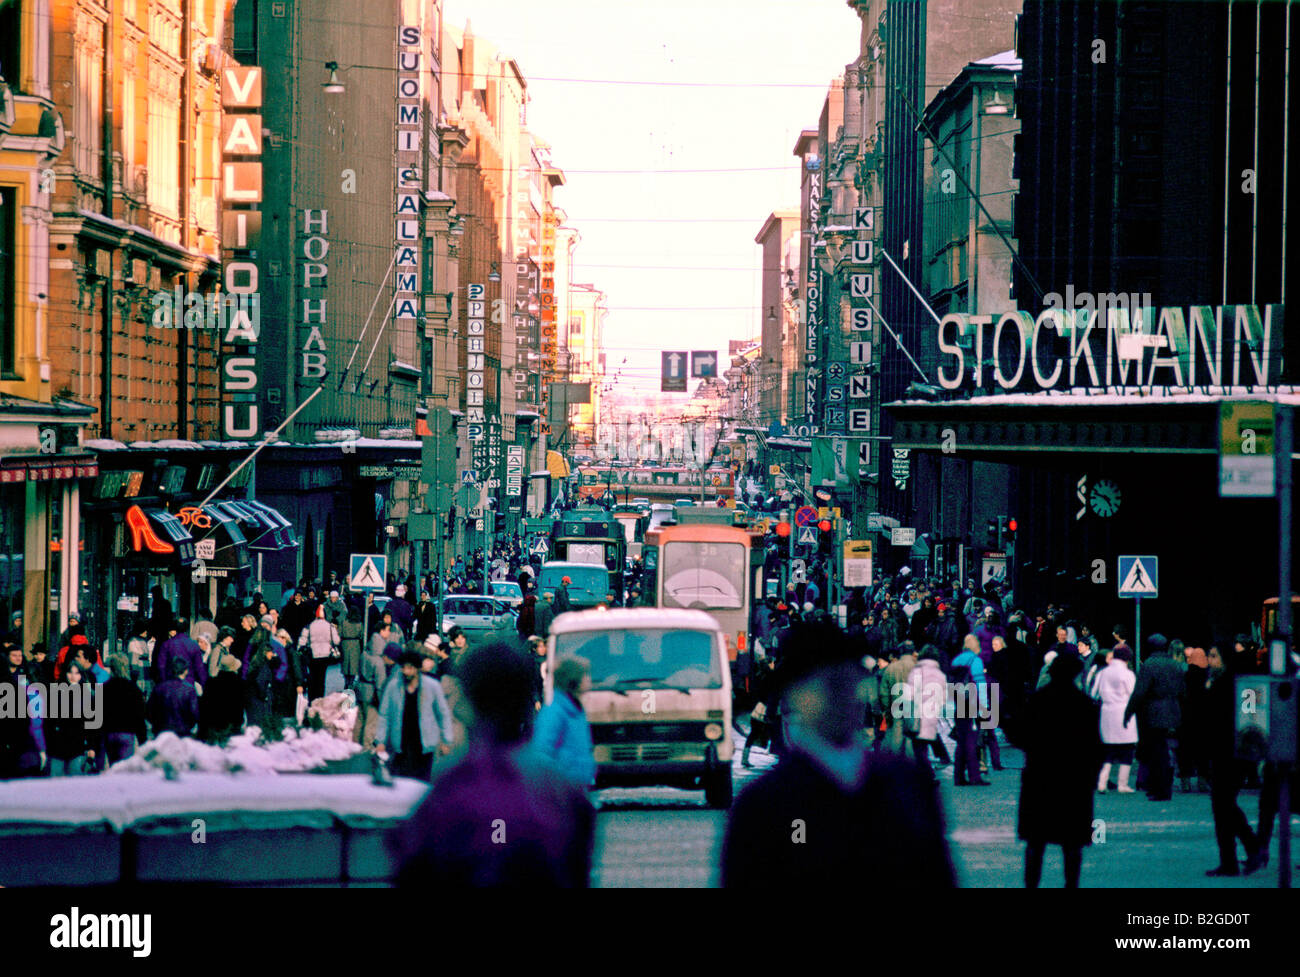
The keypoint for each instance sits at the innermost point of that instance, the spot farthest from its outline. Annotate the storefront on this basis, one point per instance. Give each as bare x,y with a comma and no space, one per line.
1089,477
153,540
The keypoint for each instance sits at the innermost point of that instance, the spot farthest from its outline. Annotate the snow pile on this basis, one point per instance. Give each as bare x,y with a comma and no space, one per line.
336,714
298,750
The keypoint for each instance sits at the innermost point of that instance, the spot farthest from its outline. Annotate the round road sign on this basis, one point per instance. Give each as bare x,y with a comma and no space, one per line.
805,516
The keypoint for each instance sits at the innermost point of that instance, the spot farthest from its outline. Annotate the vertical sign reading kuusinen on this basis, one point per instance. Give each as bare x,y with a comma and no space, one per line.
241,229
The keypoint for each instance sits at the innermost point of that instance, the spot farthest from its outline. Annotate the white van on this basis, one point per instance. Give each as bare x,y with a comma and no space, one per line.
660,701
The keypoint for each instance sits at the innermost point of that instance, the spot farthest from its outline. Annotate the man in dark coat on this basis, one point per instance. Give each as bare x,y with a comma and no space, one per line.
562,602
174,705
831,811
1061,732
1157,702
501,816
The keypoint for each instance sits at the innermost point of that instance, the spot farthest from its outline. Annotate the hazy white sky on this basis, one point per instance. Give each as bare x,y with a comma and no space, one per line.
673,251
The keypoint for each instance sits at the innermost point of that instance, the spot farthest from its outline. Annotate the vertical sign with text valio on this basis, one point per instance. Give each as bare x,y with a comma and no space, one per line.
241,228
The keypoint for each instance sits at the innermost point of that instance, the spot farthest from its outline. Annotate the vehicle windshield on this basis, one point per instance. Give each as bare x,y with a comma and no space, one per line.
588,585
507,590
703,575
646,658
468,606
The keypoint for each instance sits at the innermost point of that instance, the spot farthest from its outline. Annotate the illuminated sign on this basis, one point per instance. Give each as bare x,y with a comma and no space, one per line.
241,224
1234,345
315,277
142,534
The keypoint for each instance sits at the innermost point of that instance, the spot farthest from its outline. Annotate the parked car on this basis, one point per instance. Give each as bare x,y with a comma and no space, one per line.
473,612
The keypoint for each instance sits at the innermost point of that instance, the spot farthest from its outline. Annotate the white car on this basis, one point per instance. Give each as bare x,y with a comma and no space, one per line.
473,612
508,591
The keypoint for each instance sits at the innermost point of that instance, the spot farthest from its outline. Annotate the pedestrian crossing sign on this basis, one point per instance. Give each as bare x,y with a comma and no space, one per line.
807,536
1139,576
368,572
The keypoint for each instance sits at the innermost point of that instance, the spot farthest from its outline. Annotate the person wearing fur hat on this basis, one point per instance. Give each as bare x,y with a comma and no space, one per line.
221,710
830,772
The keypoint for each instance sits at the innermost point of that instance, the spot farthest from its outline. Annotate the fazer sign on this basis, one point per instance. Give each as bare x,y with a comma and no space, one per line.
1232,345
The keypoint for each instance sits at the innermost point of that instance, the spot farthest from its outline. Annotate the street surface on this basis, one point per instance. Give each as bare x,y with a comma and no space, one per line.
664,837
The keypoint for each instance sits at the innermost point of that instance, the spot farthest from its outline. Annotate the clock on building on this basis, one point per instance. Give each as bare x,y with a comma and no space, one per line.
1105,498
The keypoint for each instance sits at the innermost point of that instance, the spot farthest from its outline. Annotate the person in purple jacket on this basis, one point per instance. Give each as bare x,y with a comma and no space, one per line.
501,815
179,645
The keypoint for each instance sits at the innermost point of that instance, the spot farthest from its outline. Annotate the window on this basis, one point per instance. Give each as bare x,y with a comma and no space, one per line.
89,109
128,132
8,262
11,43
646,657
245,39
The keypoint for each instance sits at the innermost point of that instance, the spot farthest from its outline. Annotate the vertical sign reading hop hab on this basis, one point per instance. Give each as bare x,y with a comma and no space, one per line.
241,230
475,353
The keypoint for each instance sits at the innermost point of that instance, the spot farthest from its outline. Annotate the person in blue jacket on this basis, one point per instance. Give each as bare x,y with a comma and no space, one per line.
562,734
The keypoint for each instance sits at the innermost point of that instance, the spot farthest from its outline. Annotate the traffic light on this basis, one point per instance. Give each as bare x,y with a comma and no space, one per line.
1012,526
993,531
825,536
499,524
451,523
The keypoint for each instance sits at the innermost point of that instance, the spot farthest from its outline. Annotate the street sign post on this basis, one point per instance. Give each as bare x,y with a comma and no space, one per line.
673,378
367,574
704,363
805,516
857,563
807,536
1139,577
903,535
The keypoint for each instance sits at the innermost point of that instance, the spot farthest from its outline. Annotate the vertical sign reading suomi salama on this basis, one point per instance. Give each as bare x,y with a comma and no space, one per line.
241,230
406,267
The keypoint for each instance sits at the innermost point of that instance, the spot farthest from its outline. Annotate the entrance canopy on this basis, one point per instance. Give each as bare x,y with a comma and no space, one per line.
1144,420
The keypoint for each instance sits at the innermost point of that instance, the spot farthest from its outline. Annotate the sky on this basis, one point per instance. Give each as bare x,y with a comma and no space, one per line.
629,95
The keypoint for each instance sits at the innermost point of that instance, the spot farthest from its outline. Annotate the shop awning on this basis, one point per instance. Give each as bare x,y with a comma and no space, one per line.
278,535
221,544
556,465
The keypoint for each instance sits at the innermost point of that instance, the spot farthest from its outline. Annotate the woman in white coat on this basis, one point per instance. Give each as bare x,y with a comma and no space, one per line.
924,703
1114,685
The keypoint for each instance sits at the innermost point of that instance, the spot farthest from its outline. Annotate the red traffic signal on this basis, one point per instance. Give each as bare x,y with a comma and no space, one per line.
1011,526
783,529
824,525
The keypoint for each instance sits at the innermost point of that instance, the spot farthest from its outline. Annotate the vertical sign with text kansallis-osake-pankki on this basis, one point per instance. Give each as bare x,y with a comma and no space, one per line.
241,230
406,206
813,298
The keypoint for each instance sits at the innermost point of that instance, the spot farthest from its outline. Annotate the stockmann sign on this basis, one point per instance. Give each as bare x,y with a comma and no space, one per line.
1231,345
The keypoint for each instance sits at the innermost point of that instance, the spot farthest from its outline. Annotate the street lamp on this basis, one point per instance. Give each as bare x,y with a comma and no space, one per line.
495,274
